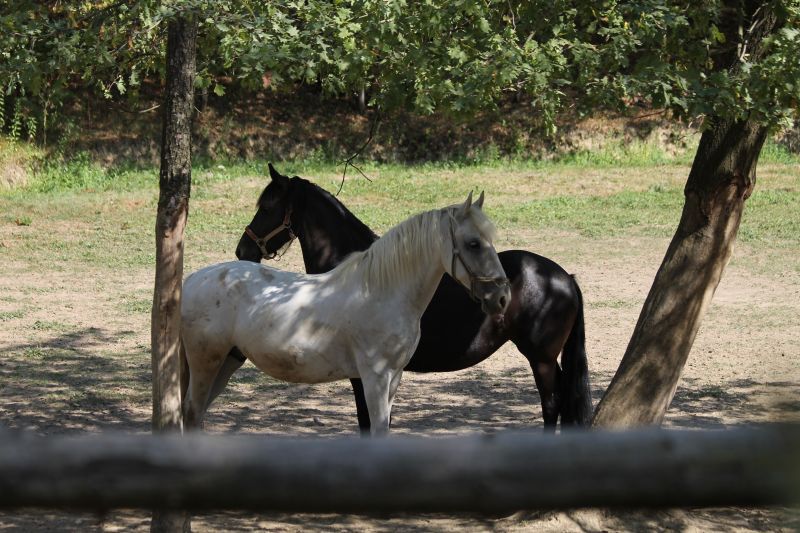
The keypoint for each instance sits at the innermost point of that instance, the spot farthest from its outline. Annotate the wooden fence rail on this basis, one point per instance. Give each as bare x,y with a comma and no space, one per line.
476,473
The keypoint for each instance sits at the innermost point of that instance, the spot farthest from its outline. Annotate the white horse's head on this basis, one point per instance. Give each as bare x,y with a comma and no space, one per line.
473,260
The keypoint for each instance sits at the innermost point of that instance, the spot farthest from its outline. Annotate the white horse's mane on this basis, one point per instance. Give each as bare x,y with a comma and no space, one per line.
418,239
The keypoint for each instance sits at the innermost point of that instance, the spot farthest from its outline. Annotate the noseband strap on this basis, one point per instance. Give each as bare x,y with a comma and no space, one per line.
261,242
473,279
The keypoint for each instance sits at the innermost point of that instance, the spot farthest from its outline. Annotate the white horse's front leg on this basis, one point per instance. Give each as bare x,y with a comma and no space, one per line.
394,383
377,392
380,375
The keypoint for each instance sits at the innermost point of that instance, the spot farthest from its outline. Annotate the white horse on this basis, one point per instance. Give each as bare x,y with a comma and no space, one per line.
360,320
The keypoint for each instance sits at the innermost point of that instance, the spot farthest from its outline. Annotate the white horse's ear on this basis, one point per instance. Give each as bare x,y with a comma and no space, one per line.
274,175
479,202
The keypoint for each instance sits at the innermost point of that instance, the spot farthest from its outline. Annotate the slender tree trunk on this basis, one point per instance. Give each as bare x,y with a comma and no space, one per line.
722,177
173,209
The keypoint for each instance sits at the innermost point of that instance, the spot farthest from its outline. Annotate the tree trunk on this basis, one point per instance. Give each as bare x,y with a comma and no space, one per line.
173,209
722,177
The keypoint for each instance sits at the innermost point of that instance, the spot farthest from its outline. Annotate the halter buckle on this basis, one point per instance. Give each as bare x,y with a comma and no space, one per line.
261,242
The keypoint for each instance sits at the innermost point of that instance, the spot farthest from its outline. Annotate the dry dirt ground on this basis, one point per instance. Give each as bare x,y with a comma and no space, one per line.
76,358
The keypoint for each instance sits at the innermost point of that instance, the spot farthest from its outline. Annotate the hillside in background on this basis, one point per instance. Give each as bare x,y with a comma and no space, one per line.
305,125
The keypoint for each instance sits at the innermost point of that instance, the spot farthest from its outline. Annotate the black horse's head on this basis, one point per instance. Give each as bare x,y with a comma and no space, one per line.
327,231
271,227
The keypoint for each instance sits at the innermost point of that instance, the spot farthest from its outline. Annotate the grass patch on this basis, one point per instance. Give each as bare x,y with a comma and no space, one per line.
80,172
111,225
630,154
16,162
33,352
49,325
771,215
776,153
612,304
653,212
11,315
135,305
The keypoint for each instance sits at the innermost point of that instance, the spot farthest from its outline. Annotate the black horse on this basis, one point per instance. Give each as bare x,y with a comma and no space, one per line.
543,319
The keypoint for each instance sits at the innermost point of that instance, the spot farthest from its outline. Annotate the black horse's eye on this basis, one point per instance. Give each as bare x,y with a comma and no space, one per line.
474,244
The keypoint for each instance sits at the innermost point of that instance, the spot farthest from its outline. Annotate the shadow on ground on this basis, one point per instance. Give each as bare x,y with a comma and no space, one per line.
79,381
72,383
733,403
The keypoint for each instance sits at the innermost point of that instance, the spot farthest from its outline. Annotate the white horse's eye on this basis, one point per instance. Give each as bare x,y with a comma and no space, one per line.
474,244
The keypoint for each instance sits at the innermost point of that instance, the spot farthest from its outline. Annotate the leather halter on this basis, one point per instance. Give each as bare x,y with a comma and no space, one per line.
473,279
261,242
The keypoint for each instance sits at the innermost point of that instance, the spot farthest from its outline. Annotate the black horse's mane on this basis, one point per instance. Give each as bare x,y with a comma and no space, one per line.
309,190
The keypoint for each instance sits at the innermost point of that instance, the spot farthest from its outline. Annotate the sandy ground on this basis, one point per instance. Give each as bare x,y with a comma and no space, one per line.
76,358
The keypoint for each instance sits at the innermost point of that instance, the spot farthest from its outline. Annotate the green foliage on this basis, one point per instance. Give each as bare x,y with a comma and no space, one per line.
457,56
49,49
697,59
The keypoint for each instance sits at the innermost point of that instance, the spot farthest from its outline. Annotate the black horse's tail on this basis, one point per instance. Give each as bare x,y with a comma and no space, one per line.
576,396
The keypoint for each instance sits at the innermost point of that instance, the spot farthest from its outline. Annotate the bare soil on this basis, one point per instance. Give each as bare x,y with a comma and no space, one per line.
75,344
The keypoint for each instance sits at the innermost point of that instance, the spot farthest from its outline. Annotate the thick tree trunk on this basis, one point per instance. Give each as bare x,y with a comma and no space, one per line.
722,177
173,208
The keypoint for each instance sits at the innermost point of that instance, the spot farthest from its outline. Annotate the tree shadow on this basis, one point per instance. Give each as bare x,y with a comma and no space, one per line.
69,383
474,400
647,520
733,403
455,402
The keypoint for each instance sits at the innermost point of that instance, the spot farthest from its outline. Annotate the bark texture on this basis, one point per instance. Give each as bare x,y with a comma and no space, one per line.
173,208
722,177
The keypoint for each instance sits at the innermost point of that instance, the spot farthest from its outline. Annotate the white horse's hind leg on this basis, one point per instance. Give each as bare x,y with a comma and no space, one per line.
231,364
203,370
193,411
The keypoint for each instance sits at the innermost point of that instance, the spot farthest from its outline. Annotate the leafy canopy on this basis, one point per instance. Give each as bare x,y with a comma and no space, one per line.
456,56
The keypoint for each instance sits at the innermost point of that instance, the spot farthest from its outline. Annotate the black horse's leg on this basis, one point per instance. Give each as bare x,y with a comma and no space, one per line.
361,406
548,377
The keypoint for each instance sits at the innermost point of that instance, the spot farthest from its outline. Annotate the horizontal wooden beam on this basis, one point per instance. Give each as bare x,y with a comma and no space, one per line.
497,473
